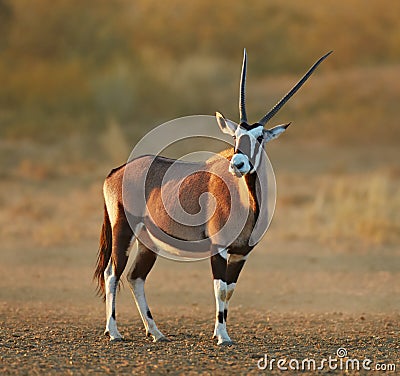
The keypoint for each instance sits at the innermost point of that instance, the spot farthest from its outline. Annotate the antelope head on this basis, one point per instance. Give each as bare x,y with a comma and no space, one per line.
249,139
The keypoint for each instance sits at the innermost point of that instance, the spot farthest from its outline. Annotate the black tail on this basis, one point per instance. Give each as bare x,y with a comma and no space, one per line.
104,254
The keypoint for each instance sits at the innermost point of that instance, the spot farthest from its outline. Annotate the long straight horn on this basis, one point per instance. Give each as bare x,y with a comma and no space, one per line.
242,93
282,102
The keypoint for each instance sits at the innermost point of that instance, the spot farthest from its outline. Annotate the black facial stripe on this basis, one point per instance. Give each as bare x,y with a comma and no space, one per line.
243,146
257,147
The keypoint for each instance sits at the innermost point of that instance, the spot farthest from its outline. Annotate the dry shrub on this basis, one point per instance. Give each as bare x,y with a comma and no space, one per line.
28,169
50,215
362,207
114,143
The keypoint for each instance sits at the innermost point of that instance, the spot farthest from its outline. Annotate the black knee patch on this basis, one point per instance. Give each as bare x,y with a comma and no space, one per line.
221,317
233,271
225,314
149,314
113,314
218,264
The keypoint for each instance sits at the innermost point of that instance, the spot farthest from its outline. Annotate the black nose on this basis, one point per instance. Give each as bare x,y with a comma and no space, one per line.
239,165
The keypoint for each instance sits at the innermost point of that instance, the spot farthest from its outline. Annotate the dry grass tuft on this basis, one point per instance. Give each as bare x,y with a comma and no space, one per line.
358,207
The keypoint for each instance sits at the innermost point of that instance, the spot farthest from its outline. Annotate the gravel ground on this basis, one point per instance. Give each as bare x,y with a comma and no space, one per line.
47,340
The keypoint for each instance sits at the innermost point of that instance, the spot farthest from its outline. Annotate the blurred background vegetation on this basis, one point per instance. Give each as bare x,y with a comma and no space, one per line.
70,67
82,81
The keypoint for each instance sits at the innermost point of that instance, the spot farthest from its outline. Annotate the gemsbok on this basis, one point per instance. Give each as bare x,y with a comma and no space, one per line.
147,198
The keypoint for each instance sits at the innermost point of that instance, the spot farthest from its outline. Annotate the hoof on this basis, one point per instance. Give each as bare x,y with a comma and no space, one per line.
117,339
161,339
225,343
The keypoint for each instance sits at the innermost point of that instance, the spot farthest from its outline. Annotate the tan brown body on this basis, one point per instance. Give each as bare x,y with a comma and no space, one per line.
205,191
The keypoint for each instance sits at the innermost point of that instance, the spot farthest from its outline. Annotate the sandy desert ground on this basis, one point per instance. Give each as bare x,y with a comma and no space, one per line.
317,281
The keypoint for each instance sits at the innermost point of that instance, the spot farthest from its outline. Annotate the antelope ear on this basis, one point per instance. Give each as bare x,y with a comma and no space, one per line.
275,132
226,126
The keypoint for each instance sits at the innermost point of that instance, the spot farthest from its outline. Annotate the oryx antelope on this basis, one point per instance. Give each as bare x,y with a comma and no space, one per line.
234,181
